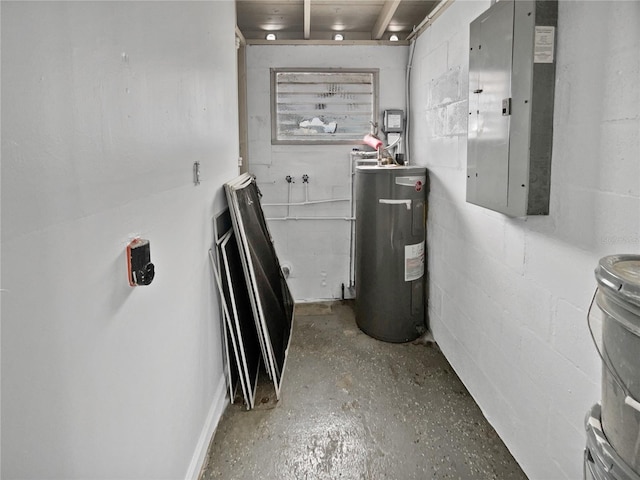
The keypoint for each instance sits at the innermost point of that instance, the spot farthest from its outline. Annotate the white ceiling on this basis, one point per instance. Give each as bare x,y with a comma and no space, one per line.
320,19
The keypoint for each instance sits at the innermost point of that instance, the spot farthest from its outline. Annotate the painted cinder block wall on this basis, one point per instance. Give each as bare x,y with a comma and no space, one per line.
509,297
105,107
316,250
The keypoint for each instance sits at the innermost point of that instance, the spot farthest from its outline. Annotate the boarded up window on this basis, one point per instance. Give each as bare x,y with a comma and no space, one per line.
328,106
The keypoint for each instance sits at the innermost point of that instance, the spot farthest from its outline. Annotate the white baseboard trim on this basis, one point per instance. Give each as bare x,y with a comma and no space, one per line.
218,405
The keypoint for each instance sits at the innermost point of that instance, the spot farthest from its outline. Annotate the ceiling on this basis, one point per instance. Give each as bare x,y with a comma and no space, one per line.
318,20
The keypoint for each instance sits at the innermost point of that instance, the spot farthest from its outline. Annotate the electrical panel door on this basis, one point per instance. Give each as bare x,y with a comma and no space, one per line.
511,90
490,83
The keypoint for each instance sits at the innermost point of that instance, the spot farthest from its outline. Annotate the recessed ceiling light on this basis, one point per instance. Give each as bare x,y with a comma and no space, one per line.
338,36
394,38
271,36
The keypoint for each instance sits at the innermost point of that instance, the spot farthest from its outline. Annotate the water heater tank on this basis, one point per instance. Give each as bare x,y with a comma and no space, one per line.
390,251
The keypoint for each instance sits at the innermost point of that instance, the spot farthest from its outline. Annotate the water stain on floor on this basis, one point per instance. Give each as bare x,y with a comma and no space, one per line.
353,407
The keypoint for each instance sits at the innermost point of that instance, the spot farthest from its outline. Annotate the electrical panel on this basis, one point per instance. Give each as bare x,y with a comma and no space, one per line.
511,94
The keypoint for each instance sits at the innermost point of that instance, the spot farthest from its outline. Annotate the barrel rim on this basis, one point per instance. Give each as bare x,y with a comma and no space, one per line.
610,279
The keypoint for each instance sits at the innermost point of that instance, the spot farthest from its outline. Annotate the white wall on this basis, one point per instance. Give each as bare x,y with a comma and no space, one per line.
105,107
317,250
509,296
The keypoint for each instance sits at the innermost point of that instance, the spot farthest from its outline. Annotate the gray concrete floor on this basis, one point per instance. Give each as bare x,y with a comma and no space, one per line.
353,407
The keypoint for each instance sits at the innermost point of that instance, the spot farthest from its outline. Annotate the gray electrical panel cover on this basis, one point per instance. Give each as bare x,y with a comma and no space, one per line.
511,92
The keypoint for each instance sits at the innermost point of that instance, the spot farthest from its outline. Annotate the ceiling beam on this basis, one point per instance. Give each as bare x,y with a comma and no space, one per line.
307,19
386,14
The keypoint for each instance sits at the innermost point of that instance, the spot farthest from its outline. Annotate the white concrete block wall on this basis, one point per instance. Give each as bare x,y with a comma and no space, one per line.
105,107
509,296
317,250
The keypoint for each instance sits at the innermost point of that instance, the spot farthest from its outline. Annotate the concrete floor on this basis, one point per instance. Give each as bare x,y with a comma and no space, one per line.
356,408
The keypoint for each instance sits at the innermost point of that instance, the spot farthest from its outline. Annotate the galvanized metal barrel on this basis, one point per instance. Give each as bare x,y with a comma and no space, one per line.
601,461
618,297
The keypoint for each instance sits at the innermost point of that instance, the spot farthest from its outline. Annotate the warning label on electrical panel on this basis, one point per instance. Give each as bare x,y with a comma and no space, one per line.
413,261
544,43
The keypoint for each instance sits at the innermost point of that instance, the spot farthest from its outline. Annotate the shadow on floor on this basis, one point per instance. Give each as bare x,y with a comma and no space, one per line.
356,408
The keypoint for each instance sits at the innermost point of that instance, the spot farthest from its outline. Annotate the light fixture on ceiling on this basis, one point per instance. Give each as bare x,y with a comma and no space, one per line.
338,36
393,38
270,36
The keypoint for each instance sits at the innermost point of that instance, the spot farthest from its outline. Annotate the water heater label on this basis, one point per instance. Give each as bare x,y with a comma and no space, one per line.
413,261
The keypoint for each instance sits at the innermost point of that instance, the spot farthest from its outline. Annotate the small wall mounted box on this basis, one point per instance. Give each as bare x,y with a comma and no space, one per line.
393,121
511,93
139,267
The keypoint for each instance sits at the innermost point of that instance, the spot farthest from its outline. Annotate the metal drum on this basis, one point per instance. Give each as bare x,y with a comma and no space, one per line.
390,251
618,299
601,461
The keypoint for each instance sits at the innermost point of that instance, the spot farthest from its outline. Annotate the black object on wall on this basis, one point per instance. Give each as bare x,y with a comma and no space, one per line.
140,269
